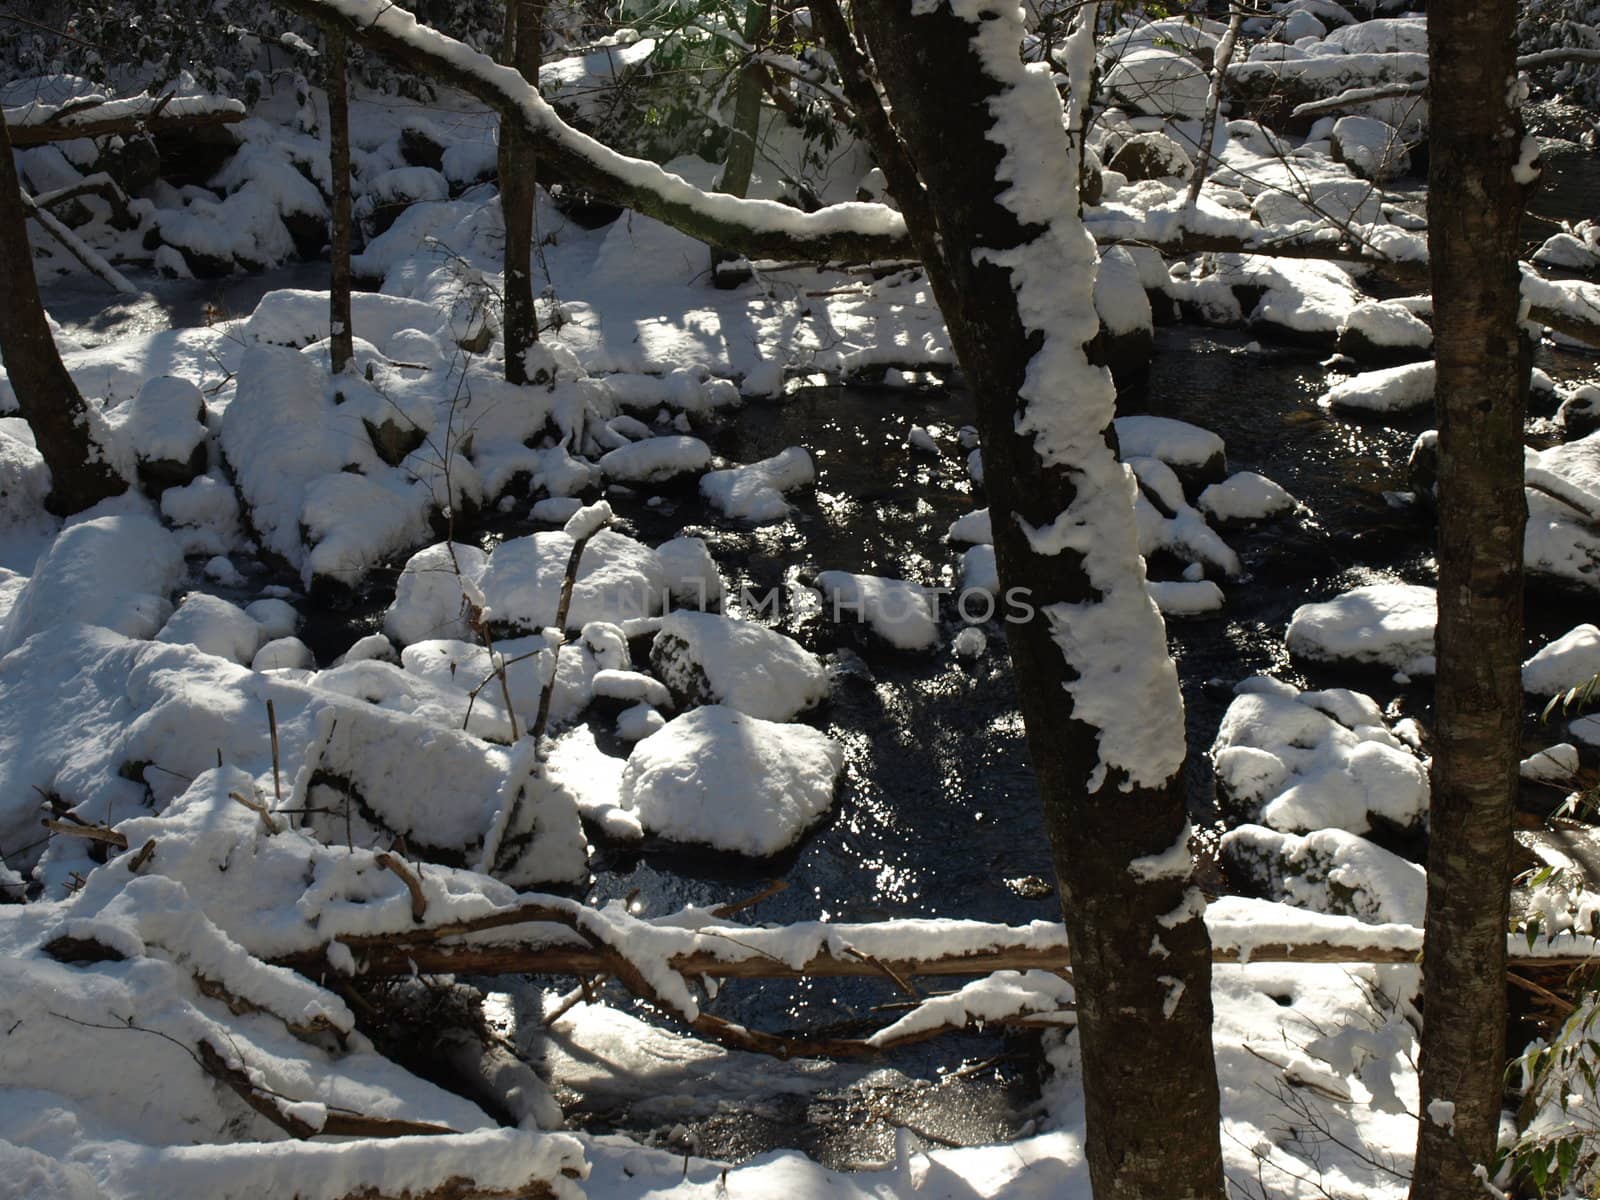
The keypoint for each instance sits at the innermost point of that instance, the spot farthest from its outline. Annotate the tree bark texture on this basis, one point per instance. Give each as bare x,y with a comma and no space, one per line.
341,347
519,189
1474,204
1143,983
80,475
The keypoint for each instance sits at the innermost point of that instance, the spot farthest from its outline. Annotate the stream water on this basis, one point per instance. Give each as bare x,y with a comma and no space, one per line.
938,814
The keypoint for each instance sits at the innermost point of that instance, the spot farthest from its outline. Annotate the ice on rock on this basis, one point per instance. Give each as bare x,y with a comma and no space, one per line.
692,575
1301,761
215,626
1327,871
708,659
1384,624
755,492
899,612
116,571
432,593
656,459
721,778
618,579
1245,496
1568,662
283,654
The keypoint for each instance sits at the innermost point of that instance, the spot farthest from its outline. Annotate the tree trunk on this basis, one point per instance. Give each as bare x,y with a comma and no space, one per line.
1014,269
740,163
1474,203
80,476
341,347
519,189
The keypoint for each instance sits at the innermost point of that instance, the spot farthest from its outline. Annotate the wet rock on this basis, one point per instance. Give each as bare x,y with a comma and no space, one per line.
1580,412
420,148
394,440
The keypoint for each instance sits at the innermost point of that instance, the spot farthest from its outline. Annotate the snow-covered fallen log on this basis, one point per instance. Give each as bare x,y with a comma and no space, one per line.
91,117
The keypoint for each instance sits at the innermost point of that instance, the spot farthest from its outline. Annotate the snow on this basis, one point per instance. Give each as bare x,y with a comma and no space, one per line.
1159,81
656,459
901,613
1392,389
163,421
117,571
1328,871
1568,662
1387,624
1186,598
285,653
755,492
972,527
720,778
1302,761
1245,496
618,579
215,626
709,659
692,576
1174,442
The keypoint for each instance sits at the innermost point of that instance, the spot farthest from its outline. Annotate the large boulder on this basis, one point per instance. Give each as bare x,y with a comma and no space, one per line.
708,659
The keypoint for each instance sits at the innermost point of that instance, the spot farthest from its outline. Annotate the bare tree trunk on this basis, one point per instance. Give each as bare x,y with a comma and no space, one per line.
1116,820
341,347
519,188
80,476
1474,203
740,163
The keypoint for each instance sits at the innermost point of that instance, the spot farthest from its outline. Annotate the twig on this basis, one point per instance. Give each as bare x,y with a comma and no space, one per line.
137,862
93,833
259,809
419,902
272,728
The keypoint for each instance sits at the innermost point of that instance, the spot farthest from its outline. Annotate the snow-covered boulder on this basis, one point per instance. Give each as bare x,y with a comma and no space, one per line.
755,492
1568,252
391,192
1244,497
708,659
1382,624
283,654
656,459
900,612
1197,456
163,429
1327,871
1384,331
1160,82
618,579
1151,155
1391,389
1167,523
1335,202
465,668
215,626
1301,761
1580,412
720,778
692,575
430,597
1568,662
115,571
24,479
1371,148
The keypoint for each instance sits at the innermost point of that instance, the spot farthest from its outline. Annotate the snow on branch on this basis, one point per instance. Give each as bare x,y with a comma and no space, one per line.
751,227
100,116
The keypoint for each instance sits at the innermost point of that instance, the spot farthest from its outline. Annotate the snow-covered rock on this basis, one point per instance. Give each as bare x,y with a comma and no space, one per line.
899,612
1392,389
721,778
708,659
1371,148
618,579
1568,662
283,654
755,492
24,479
115,571
1245,496
430,597
1301,761
1151,155
692,575
1159,81
972,527
656,459
215,626
163,429
1380,330
1186,598
1197,455
1384,624
1327,871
